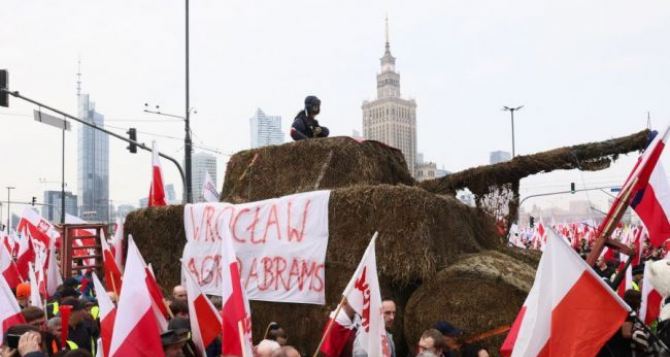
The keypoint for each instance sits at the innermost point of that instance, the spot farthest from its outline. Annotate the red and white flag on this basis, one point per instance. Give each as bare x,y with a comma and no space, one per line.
33,225
136,332
10,311
156,191
112,271
107,315
117,243
35,298
650,307
209,193
364,297
652,205
236,312
8,268
53,278
569,311
205,320
649,192
25,256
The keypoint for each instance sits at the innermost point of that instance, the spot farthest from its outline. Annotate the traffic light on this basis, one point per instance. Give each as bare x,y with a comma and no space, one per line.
531,221
572,187
4,96
34,201
132,135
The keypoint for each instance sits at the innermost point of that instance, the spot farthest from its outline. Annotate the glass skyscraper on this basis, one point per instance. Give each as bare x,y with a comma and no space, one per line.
202,162
265,130
92,165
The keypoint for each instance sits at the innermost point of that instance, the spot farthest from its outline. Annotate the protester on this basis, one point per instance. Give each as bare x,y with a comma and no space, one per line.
179,293
388,312
454,340
180,324
83,331
29,344
174,342
179,308
35,317
266,348
340,341
431,341
278,334
23,294
286,351
305,126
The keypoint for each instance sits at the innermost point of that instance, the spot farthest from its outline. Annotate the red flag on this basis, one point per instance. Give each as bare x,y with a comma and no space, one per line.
650,308
26,255
136,332
236,312
112,271
65,312
205,320
107,315
8,268
156,191
569,311
341,336
10,311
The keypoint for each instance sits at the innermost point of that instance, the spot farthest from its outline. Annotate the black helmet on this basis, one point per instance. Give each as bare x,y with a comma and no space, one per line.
312,104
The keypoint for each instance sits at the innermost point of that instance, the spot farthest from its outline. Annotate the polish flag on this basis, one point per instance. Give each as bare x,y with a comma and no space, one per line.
35,298
8,268
650,307
649,192
569,311
364,297
117,243
156,191
652,204
627,282
53,278
236,312
136,332
25,256
10,311
33,225
205,320
107,315
112,271
209,189
341,336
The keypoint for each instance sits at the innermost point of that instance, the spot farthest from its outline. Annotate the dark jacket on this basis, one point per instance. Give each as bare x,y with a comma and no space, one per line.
303,127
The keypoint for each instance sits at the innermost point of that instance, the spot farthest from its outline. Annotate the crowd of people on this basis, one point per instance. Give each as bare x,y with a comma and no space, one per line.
40,331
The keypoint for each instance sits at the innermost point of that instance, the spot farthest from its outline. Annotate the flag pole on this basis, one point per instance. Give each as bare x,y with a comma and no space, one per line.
240,329
330,325
620,208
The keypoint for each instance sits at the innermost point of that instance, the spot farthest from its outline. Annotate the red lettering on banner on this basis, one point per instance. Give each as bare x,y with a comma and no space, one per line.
252,274
252,227
280,267
233,228
211,233
220,220
362,285
191,267
267,273
196,227
210,269
295,271
273,220
292,232
317,278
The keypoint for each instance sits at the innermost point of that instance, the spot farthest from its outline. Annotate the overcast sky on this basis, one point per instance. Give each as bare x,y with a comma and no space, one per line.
585,71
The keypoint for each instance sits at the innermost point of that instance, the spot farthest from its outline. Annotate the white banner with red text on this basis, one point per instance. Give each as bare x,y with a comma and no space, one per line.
280,244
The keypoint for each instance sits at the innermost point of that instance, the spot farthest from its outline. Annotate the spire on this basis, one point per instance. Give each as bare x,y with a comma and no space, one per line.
78,76
388,44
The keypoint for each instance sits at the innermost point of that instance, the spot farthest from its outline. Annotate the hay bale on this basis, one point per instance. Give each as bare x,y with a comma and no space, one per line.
478,293
308,165
419,234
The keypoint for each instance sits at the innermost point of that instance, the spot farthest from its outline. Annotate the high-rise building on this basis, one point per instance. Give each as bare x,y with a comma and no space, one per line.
92,164
201,163
265,129
390,118
52,205
170,194
499,156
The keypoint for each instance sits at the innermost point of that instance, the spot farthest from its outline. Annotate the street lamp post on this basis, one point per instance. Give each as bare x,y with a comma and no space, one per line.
9,188
512,110
187,140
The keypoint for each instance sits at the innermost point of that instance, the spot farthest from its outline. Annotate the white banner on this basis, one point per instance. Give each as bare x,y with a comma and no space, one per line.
280,245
